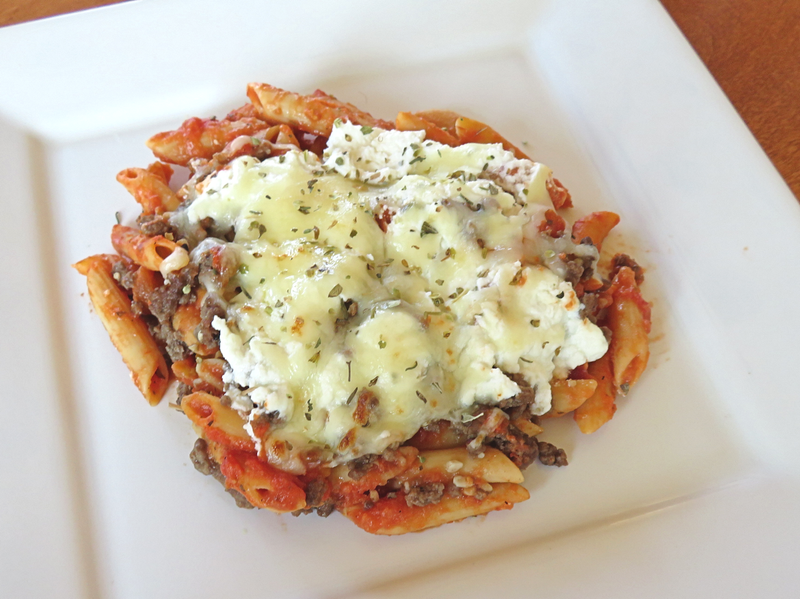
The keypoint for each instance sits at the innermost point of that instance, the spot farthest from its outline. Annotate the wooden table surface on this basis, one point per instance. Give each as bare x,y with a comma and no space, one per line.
752,47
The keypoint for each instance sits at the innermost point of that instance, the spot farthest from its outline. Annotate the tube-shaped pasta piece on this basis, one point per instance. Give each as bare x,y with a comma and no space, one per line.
472,131
219,423
444,119
393,516
600,407
150,252
185,371
444,464
210,371
439,435
128,332
553,224
559,194
629,321
185,320
527,427
286,136
315,113
263,485
596,226
412,122
200,138
150,189
569,395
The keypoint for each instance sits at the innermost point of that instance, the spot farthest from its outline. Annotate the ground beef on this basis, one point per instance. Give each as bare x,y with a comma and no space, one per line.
326,509
550,455
360,466
124,272
212,306
205,464
317,499
519,447
425,494
155,224
163,300
591,306
621,260
200,459
494,429
579,268
183,390
525,397
211,228
172,343
316,492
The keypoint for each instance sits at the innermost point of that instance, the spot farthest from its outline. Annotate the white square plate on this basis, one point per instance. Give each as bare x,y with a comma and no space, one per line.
690,490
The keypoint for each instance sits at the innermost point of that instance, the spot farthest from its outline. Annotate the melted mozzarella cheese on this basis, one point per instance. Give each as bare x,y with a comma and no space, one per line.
397,266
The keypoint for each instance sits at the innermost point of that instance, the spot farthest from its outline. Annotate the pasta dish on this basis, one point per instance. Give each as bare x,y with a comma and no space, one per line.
370,317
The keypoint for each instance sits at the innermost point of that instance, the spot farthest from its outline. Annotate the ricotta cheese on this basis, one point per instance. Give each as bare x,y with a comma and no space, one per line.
394,282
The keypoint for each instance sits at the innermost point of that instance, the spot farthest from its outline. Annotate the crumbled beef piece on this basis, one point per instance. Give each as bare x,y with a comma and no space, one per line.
217,265
173,344
550,455
183,390
525,397
621,260
200,459
326,509
593,306
579,268
360,466
425,494
205,464
494,429
163,300
212,230
241,500
519,447
211,306
155,224
316,492
124,272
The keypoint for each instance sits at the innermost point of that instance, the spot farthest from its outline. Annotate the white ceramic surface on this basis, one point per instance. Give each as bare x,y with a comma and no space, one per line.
690,490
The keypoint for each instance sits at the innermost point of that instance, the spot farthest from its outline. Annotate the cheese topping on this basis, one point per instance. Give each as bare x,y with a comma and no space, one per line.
395,282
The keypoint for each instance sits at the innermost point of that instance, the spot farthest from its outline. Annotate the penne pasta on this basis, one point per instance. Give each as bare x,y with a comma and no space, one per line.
569,395
558,194
393,516
600,407
150,252
438,464
128,332
150,188
629,321
263,486
595,226
219,423
315,114
210,371
444,119
407,121
201,138
439,435
472,131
